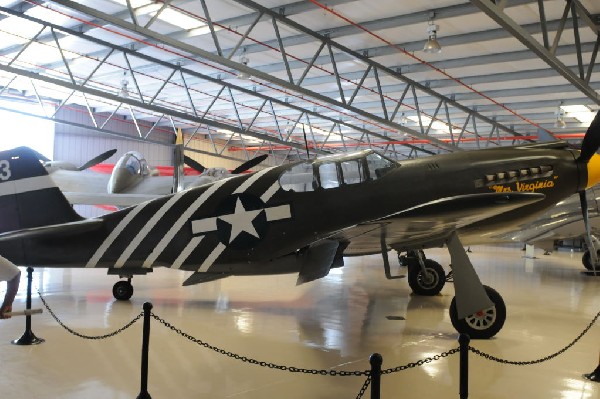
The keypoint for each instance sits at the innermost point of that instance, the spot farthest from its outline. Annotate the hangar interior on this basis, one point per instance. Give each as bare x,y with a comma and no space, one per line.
295,80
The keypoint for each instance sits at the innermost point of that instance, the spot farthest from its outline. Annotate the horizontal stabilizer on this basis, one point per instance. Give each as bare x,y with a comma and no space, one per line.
201,277
54,230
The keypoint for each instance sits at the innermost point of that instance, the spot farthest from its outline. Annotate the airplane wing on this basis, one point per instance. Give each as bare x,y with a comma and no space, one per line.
76,181
430,222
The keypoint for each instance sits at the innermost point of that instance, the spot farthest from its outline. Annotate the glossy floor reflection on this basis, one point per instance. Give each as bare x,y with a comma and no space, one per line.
335,323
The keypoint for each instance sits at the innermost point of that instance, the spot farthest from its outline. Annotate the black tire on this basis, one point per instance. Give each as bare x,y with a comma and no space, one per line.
586,259
484,324
421,285
123,290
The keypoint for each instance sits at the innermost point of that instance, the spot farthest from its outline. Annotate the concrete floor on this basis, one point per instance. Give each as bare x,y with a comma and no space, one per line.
334,323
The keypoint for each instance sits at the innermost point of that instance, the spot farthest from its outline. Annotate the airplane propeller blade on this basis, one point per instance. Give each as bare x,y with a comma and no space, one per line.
95,161
589,146
249,164
193,164
591,141
584,209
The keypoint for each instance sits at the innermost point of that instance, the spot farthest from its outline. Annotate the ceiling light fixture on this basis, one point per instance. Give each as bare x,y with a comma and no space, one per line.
432,45
123,92
244,60
403,119
560,118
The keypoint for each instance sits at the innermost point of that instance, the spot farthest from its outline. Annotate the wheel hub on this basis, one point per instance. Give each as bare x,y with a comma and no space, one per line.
483,319
427,279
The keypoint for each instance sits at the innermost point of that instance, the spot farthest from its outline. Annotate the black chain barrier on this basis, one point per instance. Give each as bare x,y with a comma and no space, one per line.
63,325
257,362
541,360
324,372
290,369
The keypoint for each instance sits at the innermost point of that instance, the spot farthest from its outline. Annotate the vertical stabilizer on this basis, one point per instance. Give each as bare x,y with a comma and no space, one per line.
28,196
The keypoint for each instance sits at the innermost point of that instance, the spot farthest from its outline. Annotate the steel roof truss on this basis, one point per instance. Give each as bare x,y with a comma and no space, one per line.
187,92
211,27
548,55
164,83
154,125
135,82
89,110
26,46
37,97
63,102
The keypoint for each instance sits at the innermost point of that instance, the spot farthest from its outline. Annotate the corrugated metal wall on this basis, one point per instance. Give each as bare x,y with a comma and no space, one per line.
78,145
79,148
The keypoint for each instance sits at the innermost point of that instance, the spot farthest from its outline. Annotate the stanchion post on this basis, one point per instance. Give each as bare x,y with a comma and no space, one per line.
594,375
145,347
463,340
376,361
28,337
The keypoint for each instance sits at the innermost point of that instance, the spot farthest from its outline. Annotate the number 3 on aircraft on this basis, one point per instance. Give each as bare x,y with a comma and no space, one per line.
4,170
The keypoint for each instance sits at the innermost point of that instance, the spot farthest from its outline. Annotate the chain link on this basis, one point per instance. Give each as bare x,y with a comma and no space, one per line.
245,359
112,334
340,373
301,370
420,362
541,360
363,389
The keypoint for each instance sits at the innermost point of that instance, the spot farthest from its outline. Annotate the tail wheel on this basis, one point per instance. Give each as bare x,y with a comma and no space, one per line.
429,283
123,290
485,323
586,259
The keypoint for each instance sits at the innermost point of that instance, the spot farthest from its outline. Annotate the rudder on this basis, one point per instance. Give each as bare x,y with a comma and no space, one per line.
28,196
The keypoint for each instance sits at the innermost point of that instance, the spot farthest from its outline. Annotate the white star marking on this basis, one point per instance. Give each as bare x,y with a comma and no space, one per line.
241,221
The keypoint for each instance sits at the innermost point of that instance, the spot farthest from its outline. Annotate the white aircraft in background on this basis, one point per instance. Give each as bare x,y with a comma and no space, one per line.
564,221
132,180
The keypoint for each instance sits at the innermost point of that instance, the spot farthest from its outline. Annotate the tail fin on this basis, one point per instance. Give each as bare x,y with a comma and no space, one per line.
28,196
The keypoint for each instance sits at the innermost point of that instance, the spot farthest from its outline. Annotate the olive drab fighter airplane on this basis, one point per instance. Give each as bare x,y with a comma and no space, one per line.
305,217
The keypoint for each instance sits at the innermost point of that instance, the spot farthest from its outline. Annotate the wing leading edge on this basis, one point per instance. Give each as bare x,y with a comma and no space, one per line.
431,222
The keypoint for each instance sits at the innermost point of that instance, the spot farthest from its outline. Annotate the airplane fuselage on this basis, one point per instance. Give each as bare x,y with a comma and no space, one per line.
249,220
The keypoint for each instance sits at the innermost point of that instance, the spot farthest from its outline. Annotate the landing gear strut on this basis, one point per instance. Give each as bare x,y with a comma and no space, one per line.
123,290
476,309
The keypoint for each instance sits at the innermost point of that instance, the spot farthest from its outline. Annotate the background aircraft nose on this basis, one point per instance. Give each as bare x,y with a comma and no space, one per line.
121,179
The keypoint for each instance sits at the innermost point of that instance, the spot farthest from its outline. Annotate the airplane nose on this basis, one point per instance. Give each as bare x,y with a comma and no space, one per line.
593,170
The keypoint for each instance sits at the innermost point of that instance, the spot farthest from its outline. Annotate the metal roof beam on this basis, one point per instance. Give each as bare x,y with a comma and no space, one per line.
497,14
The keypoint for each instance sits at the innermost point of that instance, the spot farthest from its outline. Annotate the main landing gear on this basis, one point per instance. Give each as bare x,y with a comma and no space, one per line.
586,259
476,309
425,276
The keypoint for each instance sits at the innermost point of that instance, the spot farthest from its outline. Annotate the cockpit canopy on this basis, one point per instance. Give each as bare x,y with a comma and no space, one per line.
135,163
336,170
